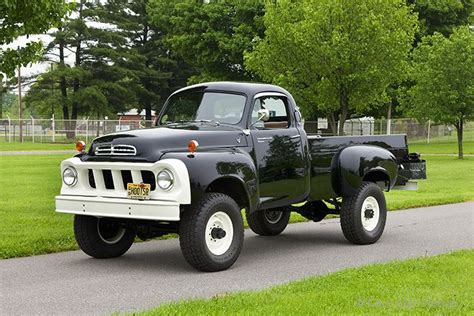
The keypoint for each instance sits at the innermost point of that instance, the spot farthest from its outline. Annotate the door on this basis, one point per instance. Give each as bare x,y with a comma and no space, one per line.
278,150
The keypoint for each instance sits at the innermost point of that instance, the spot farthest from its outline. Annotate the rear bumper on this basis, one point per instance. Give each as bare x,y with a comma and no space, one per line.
118,207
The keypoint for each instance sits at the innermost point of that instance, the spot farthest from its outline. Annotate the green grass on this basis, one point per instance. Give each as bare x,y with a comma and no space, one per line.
450,180
441,147
16,146
430,285
29,225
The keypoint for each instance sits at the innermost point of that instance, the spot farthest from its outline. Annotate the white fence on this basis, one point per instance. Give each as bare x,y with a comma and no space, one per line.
415,131
60,131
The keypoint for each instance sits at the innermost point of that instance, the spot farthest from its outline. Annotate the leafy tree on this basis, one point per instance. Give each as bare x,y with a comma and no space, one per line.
442,15
443,76
338,54
23,17
156,72
95,83
210,35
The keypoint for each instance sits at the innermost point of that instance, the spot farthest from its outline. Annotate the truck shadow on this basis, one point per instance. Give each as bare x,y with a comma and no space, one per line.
165,255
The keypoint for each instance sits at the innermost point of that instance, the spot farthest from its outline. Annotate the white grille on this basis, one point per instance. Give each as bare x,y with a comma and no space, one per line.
115,150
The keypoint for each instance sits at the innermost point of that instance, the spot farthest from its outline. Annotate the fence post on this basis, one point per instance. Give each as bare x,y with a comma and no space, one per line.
32,128
87,130
429,131
53,129
9,129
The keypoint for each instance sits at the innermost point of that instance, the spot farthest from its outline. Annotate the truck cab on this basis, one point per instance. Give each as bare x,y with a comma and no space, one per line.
219,150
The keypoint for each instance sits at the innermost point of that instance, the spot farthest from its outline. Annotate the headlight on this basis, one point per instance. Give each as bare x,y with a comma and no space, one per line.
70,176
165,179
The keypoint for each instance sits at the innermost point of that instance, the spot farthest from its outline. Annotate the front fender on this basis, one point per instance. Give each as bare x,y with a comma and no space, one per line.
355,162
206,167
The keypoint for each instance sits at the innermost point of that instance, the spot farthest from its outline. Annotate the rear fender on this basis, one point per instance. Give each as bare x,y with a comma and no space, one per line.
360,163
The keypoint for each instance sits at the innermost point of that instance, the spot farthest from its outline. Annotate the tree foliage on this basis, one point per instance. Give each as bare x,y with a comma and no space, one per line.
339,55
443,76
212,36
442,15
23,17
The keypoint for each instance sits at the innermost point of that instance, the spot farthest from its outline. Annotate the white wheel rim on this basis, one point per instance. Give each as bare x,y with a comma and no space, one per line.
219,221
273,217
370,213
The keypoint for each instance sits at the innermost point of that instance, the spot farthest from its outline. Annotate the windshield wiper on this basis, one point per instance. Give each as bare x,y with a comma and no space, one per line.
213,122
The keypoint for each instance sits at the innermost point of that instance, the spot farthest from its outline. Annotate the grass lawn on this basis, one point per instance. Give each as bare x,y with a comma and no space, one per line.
15,146
29,225
431,285
441,147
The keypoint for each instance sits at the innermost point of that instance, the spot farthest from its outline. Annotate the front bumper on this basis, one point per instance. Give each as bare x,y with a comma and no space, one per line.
97,198
118,207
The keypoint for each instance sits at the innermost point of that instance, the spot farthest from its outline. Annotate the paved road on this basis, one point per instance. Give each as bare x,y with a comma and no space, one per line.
155,272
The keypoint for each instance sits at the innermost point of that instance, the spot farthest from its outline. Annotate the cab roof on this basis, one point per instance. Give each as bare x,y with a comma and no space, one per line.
248,88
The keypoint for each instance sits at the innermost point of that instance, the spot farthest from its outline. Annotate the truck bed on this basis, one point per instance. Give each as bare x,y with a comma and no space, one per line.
323,150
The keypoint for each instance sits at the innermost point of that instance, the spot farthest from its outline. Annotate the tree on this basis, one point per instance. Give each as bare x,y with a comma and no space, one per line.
442,15
341,54
3,90
443,76
23,17
210,35
156,72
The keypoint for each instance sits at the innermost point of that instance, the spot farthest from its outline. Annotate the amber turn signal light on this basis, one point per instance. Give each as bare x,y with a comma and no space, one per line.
80,146
193,146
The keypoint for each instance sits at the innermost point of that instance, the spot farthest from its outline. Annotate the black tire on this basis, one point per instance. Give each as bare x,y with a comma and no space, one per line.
102,238
269,222
352,212
193,234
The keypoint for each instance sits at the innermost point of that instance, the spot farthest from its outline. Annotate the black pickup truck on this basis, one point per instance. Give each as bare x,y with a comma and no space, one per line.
217,149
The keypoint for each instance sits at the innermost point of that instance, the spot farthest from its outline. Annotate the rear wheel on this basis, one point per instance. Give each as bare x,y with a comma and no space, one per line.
363,215
211,233
102,237
268,222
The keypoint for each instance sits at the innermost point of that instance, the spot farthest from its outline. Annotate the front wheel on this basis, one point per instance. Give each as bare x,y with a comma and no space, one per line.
363,214
211,233
102,237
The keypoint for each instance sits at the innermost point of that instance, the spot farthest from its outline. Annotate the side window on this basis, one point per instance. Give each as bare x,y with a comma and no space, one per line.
277,106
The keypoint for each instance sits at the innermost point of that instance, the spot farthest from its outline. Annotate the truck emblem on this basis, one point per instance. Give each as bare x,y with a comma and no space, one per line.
238,140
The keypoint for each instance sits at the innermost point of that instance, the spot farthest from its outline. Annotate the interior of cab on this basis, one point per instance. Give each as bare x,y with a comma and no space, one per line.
278,109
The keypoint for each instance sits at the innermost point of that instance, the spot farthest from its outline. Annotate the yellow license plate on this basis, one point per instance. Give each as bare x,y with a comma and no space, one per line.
138,191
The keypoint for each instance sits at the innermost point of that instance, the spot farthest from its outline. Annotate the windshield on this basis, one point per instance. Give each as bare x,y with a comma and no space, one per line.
204,106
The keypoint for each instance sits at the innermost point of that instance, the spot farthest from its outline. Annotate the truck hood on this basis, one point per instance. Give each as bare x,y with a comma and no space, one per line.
152,143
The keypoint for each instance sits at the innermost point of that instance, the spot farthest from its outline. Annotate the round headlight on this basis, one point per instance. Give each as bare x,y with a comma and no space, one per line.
165,179
70,176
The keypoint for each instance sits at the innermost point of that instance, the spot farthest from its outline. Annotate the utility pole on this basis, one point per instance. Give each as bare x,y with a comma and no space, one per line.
20,104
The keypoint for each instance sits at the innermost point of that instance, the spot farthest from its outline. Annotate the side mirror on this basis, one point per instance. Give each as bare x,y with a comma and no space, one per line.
263,115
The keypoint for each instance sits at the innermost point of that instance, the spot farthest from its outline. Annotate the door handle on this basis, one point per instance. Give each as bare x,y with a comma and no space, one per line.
263,139
295,136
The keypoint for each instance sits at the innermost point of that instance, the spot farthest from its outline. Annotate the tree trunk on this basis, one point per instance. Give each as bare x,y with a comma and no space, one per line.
333,123
1,104
75,85
63,85
148,115
344,108
342,121
459,129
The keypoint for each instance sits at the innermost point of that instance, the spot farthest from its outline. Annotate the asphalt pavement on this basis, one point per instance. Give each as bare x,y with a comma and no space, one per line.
155,272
